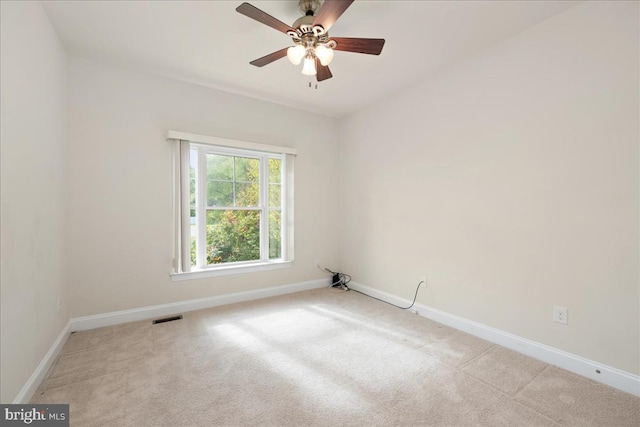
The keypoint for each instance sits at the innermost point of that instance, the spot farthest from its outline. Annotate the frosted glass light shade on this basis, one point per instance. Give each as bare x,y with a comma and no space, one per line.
324,54
296,53
309,67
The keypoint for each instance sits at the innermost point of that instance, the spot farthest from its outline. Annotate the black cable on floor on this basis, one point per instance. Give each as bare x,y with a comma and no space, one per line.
387,302
345,278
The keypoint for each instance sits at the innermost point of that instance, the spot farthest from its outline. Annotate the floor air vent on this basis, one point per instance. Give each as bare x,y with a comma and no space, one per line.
167,319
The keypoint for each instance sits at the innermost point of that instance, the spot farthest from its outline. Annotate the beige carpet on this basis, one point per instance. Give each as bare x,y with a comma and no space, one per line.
323,357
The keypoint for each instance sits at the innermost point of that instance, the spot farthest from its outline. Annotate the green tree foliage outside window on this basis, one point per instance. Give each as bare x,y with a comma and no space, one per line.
233,209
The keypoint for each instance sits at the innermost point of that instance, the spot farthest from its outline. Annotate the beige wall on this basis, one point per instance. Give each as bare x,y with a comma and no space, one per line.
119,202
33,152
511,181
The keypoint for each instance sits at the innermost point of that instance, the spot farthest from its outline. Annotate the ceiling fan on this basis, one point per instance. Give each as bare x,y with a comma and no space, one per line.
311,38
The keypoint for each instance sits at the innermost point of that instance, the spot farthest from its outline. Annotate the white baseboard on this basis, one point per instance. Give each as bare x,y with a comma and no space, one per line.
118,317
32,384
608,375
143,313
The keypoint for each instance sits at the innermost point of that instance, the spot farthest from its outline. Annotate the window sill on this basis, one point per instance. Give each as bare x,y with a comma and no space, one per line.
229,270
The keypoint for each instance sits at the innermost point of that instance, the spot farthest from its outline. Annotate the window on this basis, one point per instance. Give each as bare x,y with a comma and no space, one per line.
234,206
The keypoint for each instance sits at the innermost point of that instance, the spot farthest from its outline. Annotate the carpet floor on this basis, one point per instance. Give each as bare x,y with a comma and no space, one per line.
315,358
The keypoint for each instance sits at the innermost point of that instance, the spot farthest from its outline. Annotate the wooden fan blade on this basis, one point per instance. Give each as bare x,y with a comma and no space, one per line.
268,59
330,11
322,71
357,45
254,13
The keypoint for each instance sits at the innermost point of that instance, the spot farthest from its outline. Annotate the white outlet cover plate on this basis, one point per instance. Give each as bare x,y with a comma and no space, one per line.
561,315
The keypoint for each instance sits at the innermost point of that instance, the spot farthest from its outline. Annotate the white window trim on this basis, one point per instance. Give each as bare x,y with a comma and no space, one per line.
233,143
226,270
180,166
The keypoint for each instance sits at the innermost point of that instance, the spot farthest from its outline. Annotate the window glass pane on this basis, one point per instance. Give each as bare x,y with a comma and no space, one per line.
274,195
232,236
275,242
247,170
247,194
274,170
219,167
219,193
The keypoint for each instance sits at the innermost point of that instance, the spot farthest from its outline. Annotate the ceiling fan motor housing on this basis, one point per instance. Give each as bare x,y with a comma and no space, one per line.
309,7
308,35
304,25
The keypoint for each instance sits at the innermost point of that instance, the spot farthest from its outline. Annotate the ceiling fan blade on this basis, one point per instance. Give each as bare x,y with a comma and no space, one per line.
357,45
330,11
268,59
322,71
254,13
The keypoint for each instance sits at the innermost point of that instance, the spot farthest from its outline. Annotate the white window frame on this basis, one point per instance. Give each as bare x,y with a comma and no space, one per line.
182,269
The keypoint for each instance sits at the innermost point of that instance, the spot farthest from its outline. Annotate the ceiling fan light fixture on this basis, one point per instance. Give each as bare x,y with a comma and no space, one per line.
310,36
296,53
324,54
309,67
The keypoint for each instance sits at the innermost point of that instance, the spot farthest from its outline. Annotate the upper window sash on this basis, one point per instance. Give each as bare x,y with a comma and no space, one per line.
204,150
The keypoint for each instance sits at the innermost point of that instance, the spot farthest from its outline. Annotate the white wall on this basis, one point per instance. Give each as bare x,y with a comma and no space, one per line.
120,223
33,144
512,182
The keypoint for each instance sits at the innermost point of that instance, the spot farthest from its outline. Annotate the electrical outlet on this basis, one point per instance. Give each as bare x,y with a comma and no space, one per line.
423,281
561,315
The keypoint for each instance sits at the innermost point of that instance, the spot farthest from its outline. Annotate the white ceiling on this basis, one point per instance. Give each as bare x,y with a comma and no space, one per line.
209,43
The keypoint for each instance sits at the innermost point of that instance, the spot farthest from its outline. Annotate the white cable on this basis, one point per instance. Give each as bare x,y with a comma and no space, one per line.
323,269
